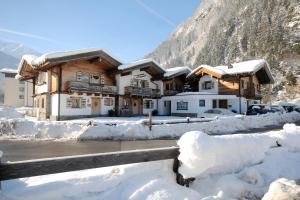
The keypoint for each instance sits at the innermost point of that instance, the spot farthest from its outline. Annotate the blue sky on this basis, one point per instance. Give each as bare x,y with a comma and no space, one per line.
129,29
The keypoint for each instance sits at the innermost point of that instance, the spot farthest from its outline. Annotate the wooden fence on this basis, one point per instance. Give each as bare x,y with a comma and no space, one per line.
28,168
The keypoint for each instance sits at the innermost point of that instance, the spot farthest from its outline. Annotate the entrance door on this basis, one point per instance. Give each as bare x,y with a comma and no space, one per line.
214,103
223,103
167,105
136,106
96,106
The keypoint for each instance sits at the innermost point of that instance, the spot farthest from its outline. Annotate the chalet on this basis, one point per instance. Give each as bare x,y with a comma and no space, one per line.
231,87
91,82
71,84
140,87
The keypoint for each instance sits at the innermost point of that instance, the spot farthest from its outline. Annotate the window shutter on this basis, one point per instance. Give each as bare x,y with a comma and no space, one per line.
146,84
102,79
83,103
203,85
69,103
212,85
151,104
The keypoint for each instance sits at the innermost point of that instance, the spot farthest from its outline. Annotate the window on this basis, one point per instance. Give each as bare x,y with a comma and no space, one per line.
37,103
108,101
125,104
182,105
83,76
43,103
21,96
41,78
76,102
202,103
207,85
169,86
21,82
95,79
148,104
21,89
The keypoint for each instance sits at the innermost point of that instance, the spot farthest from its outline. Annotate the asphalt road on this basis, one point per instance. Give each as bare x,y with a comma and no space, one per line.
16,150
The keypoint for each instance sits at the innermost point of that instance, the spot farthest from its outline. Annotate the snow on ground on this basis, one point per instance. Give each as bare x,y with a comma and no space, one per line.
239,166
219,163
14,125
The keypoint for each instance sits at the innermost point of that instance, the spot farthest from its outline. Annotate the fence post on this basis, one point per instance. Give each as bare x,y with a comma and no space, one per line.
150,121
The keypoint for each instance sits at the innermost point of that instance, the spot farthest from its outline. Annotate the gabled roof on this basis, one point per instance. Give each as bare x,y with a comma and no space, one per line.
259,67
177,71
149,65
51,59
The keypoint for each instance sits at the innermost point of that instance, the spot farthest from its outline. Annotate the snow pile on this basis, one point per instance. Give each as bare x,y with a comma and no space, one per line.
201,153
120,129
153,180
289,137
283,189
9,113
239,166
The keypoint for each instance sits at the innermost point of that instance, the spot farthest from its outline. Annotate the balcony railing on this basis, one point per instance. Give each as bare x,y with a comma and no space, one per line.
78,86
145,92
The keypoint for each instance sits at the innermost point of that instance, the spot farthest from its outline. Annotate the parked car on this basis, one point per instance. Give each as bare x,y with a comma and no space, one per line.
256,109
278,108
289,107
216,112
297,109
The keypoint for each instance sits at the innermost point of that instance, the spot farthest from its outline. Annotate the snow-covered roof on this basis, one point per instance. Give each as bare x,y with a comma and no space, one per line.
177,71
8,71
65,56
139,64
247,67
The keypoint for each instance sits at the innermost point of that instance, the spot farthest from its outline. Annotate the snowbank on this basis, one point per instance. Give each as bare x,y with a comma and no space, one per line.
283,189
201,153
132,130
153,180
239,166
225,167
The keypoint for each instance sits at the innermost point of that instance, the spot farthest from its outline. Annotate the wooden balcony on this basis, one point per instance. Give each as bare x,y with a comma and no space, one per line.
251,93
78,86
144,92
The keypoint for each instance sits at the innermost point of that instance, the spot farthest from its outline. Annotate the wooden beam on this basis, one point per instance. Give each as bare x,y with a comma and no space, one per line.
21,169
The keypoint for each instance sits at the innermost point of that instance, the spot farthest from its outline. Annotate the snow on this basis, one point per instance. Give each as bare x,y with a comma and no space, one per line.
13,124
201,153
140,62
283,189
225,167
175,70
250,66
8,70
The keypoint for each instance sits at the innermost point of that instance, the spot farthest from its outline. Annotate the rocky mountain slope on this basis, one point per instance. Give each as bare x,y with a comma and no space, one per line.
226,31
11,53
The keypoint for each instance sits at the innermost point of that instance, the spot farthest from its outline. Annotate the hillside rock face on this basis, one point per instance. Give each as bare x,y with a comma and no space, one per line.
226,31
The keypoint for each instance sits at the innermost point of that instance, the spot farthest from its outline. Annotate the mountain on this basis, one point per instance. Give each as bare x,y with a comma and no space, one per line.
221,32
11,53
8,61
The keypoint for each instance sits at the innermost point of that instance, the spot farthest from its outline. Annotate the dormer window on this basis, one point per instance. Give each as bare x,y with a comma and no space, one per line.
207,85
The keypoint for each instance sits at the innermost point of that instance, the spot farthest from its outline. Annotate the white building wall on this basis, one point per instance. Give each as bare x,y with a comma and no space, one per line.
28,99
155,104
214,90
193,103
87,110
13,94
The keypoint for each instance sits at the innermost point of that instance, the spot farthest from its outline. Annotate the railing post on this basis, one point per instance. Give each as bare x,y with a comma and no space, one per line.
150,121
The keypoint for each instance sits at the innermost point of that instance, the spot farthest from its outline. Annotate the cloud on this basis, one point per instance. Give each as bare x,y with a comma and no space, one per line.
153,12
29,35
